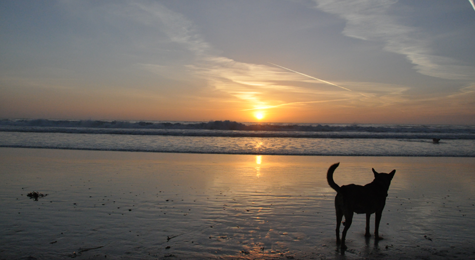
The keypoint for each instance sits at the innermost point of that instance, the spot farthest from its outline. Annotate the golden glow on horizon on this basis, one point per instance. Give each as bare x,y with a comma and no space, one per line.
259,115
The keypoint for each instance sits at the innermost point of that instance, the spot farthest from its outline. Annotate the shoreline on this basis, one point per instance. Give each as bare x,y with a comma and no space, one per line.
178,206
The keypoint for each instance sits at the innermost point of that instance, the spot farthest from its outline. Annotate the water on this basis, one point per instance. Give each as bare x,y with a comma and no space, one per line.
228,137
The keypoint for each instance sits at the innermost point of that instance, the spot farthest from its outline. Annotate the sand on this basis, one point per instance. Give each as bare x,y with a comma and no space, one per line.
125,205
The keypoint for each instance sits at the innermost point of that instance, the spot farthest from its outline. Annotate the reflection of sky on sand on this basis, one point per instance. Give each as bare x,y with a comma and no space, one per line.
436,201
229,206
261,208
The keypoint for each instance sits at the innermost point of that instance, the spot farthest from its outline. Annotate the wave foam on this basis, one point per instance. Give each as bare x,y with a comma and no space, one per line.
235,129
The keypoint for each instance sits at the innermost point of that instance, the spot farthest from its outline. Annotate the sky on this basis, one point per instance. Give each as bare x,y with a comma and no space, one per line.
293,61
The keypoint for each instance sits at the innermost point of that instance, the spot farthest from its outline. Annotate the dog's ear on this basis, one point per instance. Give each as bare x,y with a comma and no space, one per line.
375,172
392,173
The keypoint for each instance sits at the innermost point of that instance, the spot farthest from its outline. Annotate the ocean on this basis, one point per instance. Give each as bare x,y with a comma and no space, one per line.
229,137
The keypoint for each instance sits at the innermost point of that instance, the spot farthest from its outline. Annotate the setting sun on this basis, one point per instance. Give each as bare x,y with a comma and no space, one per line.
259,115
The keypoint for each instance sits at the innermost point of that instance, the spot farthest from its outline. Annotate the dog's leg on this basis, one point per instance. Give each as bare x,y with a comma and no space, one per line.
376,224
368,217
339,218
348,221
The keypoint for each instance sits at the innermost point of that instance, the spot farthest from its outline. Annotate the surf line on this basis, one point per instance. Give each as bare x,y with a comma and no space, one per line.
308,76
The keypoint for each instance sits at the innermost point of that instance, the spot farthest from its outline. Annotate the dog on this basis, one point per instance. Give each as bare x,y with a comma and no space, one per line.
367,199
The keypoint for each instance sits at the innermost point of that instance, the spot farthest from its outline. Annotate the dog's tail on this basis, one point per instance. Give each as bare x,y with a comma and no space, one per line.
330,180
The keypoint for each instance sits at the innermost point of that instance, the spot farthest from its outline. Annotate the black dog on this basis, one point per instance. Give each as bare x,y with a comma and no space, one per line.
352,198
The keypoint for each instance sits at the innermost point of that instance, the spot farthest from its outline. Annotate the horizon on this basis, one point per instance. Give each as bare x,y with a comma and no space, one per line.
232,121
290,61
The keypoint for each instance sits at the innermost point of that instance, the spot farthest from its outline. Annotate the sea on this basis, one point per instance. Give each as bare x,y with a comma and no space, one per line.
230,137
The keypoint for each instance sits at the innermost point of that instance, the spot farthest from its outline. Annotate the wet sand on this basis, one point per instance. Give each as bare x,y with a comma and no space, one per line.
125,205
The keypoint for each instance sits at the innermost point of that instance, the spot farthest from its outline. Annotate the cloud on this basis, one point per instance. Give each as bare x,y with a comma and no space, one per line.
259,85
175,25
255,85
373,20
294,103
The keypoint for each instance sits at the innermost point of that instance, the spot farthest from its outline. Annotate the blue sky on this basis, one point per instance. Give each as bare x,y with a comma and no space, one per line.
327,61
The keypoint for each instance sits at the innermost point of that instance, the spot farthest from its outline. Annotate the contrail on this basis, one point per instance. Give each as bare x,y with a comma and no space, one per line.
472,3
308,76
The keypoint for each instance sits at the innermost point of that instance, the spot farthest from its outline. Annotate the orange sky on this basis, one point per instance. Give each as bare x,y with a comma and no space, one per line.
314,62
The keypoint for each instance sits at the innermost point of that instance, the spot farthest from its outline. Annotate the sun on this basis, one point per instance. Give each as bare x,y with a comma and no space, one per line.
259,115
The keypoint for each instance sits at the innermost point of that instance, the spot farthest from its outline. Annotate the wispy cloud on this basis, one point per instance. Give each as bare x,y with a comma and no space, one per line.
256,83
175,25
262,86
373,20
258,86
295,103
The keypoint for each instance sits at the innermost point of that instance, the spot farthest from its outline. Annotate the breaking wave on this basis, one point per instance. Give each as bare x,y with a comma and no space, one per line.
236,129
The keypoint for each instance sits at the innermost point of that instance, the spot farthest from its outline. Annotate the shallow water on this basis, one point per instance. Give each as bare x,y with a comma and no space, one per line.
242,145
160,205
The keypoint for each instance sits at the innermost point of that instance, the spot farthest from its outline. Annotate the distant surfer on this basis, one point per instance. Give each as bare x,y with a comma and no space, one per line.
435,140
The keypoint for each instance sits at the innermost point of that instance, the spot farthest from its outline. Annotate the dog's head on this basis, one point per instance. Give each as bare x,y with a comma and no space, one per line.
383,178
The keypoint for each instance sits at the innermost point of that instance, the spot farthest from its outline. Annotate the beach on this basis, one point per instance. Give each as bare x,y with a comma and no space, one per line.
136,205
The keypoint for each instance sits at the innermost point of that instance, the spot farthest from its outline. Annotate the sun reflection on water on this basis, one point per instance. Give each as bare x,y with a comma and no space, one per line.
258,167
258,159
